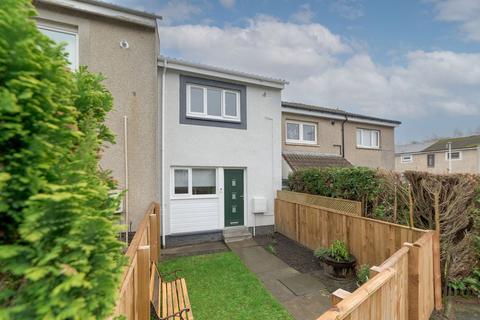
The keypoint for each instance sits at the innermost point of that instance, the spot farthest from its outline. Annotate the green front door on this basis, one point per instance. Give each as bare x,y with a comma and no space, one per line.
233,197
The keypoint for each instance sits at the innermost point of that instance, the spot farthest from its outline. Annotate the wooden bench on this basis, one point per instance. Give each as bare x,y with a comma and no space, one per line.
169,299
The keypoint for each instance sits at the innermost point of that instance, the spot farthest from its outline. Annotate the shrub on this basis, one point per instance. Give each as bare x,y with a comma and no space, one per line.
386,196
338,251
59,256
363,274
356,183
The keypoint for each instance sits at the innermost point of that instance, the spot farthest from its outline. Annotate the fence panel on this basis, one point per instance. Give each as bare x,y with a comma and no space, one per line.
370,241
343,205
404,285
133,294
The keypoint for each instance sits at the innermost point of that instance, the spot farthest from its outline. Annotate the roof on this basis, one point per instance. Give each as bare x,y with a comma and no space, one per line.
108,10
180,64
304,160
413,147
457,143
336,112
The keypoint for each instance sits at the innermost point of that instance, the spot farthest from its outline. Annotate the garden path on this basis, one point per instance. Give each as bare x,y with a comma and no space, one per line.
302,294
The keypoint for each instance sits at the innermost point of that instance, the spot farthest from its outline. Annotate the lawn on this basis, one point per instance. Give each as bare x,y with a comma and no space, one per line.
221,287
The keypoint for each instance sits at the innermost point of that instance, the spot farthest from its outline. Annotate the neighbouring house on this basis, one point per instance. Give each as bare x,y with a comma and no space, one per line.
314,136
434,156
221,150
123,45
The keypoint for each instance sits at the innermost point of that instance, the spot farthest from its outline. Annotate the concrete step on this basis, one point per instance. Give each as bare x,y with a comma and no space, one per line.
235,234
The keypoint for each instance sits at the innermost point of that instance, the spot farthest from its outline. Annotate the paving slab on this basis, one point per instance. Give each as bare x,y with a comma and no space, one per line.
302,294
279,290
303,284
194,249
242,244
278,274
258,260
310,306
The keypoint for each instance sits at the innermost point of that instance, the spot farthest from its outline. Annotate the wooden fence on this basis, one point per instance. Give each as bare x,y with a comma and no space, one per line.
134,300
406,274
342,205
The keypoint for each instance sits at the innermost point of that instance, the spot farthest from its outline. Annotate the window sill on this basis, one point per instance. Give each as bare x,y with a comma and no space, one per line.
193,197
369,148
301,144
214,119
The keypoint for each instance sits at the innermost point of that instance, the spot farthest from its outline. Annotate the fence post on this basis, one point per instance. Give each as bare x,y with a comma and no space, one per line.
153,237
143,276
158,213
338,295
437,276
413,281
297,206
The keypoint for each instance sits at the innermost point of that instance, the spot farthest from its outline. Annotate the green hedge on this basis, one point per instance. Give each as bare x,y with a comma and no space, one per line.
59,253
355,183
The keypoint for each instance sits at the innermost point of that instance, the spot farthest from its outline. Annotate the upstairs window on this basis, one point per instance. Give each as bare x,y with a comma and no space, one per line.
367,138
455,155
213,103
301,132
431,160
407,158
68,38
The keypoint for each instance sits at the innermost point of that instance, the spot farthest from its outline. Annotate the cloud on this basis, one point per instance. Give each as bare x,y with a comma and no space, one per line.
464,12
325,69
303,15
176,11
348,9
227,3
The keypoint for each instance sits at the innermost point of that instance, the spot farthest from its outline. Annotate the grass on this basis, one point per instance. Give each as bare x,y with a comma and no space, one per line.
221,287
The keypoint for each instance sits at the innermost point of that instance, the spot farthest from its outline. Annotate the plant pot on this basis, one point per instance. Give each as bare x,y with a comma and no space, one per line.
339,269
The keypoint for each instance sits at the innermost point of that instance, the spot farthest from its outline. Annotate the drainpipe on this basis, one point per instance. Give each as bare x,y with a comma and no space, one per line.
163,150
449,146
343,136
125,149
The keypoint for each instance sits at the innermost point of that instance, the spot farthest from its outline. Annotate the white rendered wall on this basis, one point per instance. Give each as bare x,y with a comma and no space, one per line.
256,149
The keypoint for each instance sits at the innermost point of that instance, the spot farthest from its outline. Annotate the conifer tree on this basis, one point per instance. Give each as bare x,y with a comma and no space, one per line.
59,253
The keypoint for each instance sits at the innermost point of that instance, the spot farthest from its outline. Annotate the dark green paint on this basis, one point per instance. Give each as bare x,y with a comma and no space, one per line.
234,198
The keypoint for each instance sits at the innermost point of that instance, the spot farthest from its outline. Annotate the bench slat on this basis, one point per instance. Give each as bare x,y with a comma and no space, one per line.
181,303
186,299
164,306
175,299
169,298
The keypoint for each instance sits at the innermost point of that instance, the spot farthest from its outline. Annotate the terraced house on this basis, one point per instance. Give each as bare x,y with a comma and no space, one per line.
314,136
435,157
204,142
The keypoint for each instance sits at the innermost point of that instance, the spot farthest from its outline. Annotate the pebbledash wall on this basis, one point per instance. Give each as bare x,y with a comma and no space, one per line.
469,161
131,77
255,148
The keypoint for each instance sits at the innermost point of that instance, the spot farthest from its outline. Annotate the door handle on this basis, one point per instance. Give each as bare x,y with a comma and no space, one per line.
242,196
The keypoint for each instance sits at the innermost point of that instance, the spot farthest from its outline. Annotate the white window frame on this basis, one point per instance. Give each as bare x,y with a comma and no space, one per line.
300,132
204,114
360,144
75,66
190,194
408,160
459,155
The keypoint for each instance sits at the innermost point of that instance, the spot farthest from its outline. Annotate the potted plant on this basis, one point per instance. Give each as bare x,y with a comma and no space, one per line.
337,260
363,274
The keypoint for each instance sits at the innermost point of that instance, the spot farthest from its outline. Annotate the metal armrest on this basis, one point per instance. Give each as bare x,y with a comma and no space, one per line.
176,314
